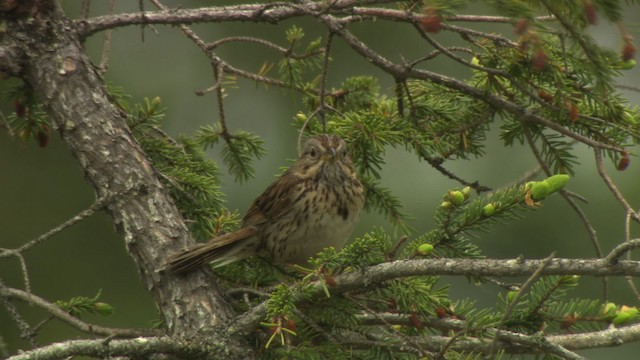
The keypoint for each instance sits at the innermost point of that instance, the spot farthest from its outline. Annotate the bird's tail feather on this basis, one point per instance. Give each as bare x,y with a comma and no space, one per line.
220,251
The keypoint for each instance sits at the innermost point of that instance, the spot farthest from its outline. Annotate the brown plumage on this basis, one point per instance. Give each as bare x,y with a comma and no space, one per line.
313,205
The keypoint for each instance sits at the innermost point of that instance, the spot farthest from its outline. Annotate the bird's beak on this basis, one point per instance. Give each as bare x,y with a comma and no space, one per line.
331,155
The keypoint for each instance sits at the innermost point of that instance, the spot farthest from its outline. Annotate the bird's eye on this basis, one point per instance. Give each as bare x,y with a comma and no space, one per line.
313,152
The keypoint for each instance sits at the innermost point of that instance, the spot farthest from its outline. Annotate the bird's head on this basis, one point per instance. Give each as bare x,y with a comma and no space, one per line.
324,154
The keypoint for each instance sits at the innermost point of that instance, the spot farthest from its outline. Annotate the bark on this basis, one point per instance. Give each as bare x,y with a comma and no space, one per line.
41,46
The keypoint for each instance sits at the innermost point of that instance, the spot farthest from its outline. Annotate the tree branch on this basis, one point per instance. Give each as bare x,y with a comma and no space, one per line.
565,342
77,103
57,312
141,347
275,12
268,12
614,189
372,275
615,254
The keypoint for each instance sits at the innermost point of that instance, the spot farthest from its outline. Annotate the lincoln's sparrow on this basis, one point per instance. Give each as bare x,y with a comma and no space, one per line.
313,205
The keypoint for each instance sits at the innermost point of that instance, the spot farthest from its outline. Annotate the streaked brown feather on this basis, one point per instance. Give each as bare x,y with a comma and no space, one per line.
272,203
312,205
202,254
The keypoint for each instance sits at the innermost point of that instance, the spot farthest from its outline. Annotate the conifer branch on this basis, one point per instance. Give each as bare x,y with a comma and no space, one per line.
375,274
545,104
401,71
56,311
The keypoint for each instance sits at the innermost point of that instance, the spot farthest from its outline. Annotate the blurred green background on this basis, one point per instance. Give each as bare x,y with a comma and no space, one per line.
41,188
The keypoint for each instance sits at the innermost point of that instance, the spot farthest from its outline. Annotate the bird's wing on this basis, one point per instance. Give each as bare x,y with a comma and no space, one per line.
273,202
217,249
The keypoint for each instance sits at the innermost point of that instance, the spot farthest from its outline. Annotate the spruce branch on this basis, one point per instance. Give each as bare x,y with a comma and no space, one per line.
281,11
593,236
372,275
401,71
520,102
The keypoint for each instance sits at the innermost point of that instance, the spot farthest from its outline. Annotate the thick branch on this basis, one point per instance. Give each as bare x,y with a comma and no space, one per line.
275,12
372,275
268,12
133,348
404,72
76,100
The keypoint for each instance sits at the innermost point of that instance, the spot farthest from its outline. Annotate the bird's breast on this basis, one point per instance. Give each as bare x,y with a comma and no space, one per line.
323,214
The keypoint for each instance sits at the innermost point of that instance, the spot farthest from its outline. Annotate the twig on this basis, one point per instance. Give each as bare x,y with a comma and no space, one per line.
526,285
246,290
392,254
614,256
25,272
586,48
495,19
397,70
303,127
437,164
524,288
266,43
84,9
403,336
26,332
282,11
106,45
627,237
267,12
628,87
536,153
56,311
218,73
97,205
322,105
613,187
514,343
323,80
505,285
316,327
593,236
384,318
143,16
435,53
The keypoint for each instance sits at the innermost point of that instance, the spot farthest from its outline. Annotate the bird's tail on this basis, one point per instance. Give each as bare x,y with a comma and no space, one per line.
221,250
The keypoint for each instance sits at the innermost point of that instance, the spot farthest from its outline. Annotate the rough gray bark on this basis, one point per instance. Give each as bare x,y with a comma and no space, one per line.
43,49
